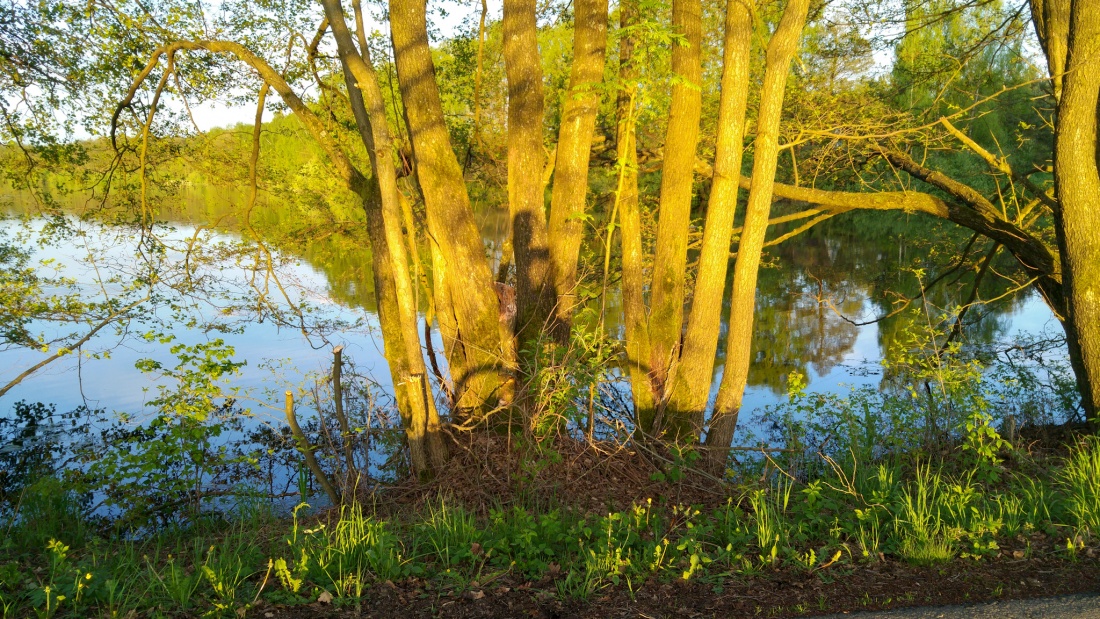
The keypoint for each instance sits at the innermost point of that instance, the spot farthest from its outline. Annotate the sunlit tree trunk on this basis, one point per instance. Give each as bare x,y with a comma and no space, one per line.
1077,185
691,385
578,123
677,174
477,357
781,50
530,245
635,317
422,424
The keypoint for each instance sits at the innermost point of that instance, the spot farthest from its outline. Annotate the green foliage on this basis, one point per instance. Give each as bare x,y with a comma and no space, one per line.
936,397
563,379
448,533
177,582
343,559
173,460
528,542
920,531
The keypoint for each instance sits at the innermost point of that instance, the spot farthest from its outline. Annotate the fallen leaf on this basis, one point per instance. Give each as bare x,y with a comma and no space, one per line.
1018,554
325,598
475,594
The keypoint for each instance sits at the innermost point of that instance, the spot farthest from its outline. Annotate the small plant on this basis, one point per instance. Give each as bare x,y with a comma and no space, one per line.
291,580
920,528
224,573
982,442
449,532
177,583
1073,545
769,524
46,602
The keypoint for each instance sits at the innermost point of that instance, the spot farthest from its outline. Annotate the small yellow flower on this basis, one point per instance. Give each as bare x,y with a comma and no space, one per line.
88,576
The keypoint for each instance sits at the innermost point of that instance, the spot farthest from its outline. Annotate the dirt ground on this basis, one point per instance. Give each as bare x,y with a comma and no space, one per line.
885,585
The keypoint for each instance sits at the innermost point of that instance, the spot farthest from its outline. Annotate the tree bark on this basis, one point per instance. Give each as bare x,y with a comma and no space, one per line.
1077,184
578,124
1051,21
695,370
681,140
781,50
477,358
530,244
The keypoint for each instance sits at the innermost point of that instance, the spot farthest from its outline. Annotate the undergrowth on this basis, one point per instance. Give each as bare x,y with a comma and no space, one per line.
919,512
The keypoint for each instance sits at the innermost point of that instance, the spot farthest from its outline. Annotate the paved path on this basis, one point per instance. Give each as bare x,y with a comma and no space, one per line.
1067,607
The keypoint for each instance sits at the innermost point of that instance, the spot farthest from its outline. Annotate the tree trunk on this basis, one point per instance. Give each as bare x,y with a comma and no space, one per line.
691,386
478,358
781,50
681,139
1077,184
530,245
422,425
578,123
635,317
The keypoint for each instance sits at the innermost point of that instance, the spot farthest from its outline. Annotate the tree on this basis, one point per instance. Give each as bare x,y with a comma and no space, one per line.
695,369
781,51
530,242
465,303
578,125
678,405
1077,174
391,266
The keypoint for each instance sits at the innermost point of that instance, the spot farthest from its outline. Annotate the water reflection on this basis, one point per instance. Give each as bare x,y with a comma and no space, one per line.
818,297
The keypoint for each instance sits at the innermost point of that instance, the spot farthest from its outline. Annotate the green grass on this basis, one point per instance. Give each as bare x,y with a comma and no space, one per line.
1080,481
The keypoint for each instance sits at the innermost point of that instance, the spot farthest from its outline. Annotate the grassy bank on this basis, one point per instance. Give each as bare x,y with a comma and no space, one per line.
903,513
